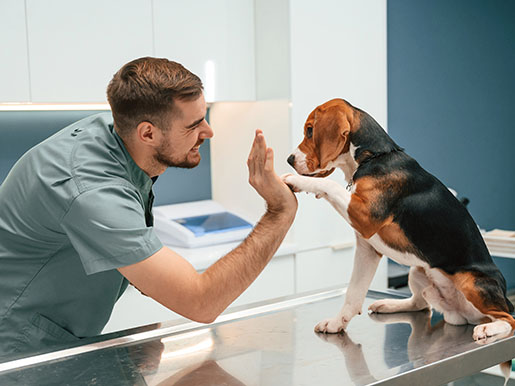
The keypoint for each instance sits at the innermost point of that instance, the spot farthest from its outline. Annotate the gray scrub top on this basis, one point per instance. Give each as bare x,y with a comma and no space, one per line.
72,210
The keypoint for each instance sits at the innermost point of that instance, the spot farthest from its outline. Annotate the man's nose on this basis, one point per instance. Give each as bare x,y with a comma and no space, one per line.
207,132
291,160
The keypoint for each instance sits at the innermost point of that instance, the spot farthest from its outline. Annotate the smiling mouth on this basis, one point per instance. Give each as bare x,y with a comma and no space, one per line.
197,147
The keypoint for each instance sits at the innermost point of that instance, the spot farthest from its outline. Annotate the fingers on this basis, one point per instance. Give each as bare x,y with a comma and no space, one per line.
251,161
257,159
257,156
260,150
269,160
251,165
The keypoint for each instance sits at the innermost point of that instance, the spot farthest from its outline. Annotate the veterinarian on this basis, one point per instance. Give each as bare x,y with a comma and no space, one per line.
76,219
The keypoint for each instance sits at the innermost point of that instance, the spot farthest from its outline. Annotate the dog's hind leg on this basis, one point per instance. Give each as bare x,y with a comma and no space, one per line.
487,297
417,281
489,332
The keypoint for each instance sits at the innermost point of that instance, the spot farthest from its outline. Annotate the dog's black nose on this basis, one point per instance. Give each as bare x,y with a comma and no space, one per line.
291,160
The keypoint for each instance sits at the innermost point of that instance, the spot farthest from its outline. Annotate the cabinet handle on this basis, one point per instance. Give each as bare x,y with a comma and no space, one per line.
345,245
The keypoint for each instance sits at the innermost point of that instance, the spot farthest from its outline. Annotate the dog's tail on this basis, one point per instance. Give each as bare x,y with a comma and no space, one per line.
506,370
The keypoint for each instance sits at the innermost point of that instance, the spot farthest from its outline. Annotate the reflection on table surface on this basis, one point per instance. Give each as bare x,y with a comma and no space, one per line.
278,348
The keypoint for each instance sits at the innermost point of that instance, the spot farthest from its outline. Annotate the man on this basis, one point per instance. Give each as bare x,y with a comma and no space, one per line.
76,221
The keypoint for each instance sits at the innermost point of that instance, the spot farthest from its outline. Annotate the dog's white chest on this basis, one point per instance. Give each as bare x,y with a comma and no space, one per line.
404,258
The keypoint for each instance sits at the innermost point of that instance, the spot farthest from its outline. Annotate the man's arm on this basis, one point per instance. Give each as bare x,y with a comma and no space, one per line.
172,281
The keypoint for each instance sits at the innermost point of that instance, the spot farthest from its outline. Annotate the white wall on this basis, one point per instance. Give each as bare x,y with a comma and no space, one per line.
338,50
234,125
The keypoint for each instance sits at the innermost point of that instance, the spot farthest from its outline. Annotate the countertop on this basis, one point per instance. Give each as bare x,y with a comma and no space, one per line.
273,343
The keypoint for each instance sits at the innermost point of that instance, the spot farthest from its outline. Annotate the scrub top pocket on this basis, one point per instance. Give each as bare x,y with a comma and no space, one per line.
47,332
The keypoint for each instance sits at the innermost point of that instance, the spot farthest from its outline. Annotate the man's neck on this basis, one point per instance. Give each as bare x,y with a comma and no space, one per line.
142,157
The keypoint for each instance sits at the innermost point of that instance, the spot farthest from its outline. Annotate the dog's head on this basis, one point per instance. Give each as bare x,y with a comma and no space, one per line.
326,137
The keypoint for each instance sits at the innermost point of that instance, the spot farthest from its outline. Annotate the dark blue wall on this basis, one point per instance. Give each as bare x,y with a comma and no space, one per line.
451,99
22,130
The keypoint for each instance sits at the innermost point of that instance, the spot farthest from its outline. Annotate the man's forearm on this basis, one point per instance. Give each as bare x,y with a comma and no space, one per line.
226,279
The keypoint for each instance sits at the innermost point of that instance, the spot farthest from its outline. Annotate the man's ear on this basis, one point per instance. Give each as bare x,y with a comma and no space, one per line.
146,132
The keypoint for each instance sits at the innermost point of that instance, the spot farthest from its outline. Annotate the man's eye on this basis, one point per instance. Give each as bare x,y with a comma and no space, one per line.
309,132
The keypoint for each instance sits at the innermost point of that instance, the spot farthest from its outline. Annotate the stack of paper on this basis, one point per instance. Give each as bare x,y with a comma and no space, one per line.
500,242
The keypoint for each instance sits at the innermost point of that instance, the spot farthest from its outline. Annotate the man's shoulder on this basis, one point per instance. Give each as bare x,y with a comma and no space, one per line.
52,160
97,158
98,127
58,146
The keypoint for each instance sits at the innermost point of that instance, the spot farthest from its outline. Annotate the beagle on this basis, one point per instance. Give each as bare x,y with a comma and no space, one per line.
399,210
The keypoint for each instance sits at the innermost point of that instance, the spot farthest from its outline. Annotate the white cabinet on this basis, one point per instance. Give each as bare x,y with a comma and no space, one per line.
75,47
134,309
240,48
284,275
272,49
213,39
14,77
326,267
68,51
322,268
276,280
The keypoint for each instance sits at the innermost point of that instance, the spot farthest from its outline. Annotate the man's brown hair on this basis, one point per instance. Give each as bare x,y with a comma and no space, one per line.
145,89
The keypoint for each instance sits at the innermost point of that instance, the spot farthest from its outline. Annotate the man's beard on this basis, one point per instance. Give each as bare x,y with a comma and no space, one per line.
162,157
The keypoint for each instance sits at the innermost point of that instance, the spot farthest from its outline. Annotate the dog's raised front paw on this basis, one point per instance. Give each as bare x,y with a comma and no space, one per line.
295,182
331,326
302,183
288,180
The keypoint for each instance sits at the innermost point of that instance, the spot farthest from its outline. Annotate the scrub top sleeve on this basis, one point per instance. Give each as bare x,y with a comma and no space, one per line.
107,228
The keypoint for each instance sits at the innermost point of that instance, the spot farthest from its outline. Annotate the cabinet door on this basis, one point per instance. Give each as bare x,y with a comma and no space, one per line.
322,268
276,280
134,309
326,267
210,37
14,77
75,47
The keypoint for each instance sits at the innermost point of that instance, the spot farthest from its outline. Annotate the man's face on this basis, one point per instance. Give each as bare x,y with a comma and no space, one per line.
187,131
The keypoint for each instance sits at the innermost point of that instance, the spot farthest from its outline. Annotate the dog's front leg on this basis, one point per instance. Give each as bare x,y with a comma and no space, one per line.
332,191
366,261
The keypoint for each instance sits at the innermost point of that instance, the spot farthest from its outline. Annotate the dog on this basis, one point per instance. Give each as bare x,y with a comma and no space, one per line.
399,210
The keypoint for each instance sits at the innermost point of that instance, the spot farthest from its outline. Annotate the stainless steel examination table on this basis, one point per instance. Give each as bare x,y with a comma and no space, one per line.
273,343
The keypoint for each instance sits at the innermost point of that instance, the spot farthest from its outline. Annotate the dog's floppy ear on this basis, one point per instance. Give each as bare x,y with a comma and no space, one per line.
344,126
332,135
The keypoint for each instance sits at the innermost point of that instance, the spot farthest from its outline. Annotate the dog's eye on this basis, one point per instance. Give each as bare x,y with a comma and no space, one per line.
309,132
